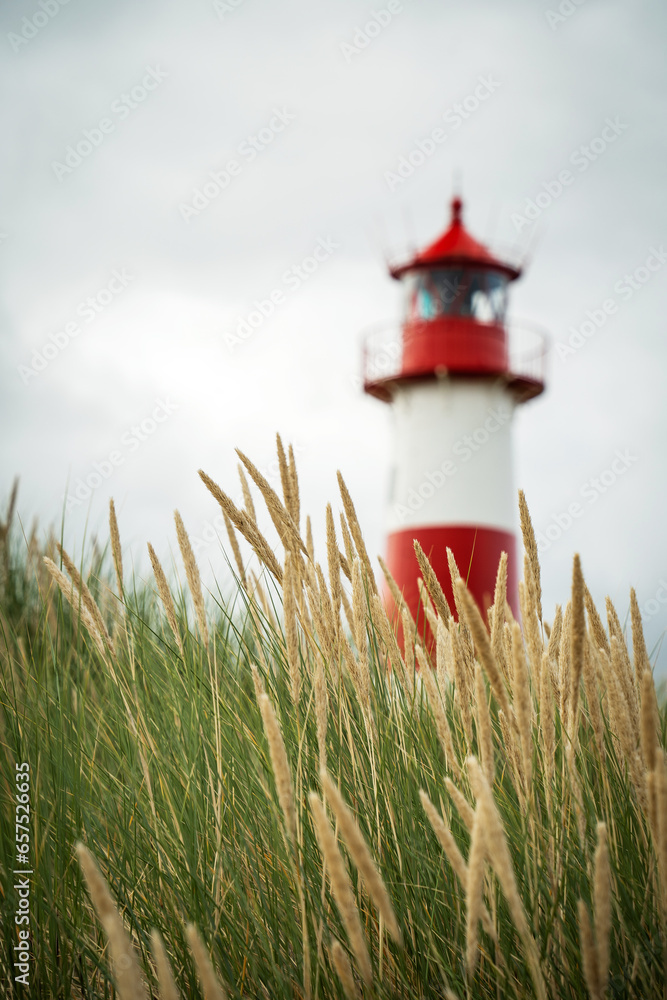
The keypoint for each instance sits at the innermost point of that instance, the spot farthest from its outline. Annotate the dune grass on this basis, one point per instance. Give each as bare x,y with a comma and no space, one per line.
265,797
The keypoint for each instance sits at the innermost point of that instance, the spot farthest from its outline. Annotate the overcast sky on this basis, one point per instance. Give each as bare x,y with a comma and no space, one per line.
116,115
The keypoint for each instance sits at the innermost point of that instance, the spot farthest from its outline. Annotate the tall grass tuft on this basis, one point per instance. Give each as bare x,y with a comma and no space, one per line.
338,808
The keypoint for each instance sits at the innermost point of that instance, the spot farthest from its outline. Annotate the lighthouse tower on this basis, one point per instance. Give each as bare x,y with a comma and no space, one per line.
454,373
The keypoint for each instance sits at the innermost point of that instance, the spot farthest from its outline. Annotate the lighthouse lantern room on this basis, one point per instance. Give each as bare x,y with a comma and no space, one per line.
454,373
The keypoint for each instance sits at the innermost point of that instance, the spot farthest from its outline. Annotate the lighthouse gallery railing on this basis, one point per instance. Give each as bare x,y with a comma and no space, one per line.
383,353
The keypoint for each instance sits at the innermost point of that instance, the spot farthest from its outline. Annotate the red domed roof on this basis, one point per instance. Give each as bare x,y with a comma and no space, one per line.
455,246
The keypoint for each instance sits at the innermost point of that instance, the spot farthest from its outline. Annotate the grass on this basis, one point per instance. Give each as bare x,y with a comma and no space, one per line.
296,813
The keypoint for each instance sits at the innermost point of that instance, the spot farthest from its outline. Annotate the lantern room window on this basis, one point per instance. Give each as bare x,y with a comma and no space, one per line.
478,294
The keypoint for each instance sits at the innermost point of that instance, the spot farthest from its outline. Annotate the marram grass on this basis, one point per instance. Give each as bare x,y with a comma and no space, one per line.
226,806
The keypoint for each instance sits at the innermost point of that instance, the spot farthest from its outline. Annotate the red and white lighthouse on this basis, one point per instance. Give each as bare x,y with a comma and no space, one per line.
454,373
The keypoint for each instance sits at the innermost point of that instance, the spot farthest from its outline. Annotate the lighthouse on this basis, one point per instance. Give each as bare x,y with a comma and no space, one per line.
454,372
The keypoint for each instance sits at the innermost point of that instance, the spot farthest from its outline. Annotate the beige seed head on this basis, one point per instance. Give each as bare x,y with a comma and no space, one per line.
348,545
622,665
463,807
452,852
382,623
319,630
661,803
577,636
593,696
463,686
427,606
474,900
359,608
484,731
192,575
246,525
73,597
432,584
602,897
116,549
483,646
310,546
530,545
291,626
500,594
296,501
498,616
355,529
511,745
507,649
165,977
361,855
399,600
347,608
125,967
165,596
455,577
439,714
639,652
208,980
555,636
285,476
650,721
409,640
282,520
444,655
257,681
87,598
227,505
597,628
321,613
620,712
445,838
529,613
361,678
615,631
333,560
547,727
236,550
588,952
341,887
523,703
498,850
564,672
321,712
341,964
280,765
248,502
